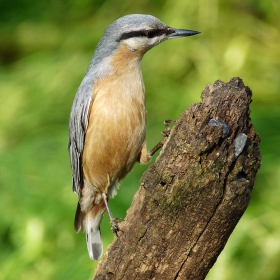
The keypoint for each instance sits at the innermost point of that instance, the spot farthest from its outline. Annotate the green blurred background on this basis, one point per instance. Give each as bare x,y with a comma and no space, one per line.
45,49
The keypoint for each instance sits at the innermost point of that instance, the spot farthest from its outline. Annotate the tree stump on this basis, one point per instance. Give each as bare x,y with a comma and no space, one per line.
192,197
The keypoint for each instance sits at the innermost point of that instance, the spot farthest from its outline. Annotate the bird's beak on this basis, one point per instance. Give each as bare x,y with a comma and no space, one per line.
176,33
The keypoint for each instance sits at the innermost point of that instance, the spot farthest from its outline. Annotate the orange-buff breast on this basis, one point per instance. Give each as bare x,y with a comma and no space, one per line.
116,130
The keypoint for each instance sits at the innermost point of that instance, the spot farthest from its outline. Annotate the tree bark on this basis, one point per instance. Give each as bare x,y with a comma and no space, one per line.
192,197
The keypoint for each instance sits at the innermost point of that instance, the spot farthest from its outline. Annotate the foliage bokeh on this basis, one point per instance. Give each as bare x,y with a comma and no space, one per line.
45,49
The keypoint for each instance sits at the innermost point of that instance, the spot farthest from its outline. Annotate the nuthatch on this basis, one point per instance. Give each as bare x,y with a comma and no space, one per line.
107,128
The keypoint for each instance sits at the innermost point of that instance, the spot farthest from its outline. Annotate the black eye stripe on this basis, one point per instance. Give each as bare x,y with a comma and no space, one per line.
132,34
145,33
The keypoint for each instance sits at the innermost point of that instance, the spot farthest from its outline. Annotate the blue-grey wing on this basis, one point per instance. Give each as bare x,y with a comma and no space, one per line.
78,124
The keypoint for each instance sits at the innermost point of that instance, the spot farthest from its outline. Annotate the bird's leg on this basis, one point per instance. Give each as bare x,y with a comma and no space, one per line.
114,222
165,134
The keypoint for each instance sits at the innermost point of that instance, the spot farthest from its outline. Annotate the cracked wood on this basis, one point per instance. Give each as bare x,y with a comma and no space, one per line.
192,197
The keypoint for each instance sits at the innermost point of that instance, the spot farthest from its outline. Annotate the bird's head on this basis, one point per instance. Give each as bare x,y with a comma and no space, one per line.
139,33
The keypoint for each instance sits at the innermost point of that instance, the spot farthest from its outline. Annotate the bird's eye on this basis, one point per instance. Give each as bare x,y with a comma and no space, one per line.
155,32
151,33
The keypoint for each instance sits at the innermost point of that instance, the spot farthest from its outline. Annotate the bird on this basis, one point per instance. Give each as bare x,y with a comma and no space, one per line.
107,126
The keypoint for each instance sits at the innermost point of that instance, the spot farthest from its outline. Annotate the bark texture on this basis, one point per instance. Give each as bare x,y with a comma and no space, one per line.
192,197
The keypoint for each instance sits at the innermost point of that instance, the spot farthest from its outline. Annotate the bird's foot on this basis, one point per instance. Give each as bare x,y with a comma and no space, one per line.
167,130
165,134
114,223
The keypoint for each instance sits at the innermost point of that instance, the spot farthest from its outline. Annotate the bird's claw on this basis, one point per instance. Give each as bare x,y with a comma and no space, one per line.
114,223
165,134
167,130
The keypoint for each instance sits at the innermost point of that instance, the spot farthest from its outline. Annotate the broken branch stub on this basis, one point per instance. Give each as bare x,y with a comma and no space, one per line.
192,197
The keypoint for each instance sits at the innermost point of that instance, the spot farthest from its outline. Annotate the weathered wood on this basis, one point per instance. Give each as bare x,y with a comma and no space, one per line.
192,197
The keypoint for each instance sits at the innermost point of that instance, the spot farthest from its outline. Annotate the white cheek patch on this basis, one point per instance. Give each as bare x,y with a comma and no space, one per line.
137,43
143,43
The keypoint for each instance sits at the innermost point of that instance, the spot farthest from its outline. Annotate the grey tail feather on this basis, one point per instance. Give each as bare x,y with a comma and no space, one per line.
78,219
94,245
91,224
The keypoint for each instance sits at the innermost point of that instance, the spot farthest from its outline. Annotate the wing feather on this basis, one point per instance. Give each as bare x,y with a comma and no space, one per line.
78,124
